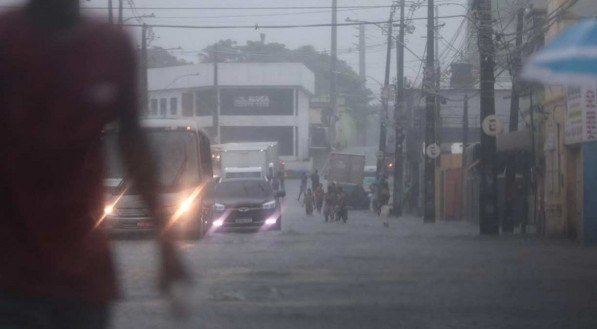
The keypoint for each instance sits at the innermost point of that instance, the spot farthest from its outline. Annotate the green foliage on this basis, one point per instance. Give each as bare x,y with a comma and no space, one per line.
349,84
160,57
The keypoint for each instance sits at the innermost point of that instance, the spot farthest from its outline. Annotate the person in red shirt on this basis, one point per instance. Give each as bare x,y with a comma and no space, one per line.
62,79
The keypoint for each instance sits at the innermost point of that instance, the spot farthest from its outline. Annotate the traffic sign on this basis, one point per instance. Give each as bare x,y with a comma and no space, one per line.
492,125
433,151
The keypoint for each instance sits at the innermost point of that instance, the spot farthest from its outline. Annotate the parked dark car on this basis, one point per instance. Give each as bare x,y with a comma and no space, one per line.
246,203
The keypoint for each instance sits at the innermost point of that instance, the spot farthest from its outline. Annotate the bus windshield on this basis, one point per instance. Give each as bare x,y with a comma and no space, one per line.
175,153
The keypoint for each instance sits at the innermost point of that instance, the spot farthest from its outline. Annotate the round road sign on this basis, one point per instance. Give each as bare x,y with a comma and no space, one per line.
433,151
492,125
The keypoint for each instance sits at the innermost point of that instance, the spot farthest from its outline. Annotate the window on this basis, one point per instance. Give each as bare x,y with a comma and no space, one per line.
174,106
187,104
205,102
163,106
154,107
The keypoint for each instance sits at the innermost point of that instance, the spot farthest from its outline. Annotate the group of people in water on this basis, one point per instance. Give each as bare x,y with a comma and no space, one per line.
331,202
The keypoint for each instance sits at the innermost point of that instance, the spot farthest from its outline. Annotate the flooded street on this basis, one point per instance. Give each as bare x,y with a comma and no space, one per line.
362,275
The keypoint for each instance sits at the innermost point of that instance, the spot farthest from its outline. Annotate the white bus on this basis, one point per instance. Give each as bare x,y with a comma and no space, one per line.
183,156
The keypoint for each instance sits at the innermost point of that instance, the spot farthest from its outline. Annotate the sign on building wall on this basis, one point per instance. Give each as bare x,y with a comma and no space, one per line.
581,115
257,101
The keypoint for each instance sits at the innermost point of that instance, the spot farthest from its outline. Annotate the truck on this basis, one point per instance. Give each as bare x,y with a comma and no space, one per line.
183,157
347,170
260,157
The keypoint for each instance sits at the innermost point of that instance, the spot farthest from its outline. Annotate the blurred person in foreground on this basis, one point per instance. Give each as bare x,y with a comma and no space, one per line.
63,78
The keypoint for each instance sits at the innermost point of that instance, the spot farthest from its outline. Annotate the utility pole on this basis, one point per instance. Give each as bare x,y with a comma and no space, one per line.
110,16
381,160
464,145
488,210
398,118
333,77
436,46
430,106
144,83
362,66
120,9
216,113
508,224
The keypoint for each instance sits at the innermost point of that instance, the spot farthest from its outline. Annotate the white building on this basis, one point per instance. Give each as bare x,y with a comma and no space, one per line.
257,102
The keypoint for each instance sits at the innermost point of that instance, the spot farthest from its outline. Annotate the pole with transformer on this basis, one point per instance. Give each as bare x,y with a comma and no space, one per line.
333,76
488,210
429,90
362,52
398,119
385,98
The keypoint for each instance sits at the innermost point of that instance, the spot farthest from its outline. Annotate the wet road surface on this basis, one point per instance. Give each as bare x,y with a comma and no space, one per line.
363,275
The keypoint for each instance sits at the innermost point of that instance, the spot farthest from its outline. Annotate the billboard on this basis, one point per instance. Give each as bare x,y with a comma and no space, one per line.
257,101
581,115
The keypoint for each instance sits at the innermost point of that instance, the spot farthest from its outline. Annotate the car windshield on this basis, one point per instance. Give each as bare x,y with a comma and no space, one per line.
244,189
175,153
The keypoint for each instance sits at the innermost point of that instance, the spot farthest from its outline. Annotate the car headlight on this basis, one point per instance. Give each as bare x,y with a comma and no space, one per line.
219,207
108,210
185,206
269,205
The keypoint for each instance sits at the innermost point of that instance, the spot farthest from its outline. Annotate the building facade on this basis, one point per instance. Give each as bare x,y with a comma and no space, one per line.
569,182
239,102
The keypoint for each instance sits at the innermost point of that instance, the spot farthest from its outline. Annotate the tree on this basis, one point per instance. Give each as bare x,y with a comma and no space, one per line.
160,57
350,85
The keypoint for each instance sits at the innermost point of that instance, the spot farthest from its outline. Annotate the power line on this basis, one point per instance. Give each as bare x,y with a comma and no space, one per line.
257,26
236,8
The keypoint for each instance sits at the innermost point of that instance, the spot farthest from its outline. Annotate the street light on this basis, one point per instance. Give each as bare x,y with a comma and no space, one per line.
152,15
178,78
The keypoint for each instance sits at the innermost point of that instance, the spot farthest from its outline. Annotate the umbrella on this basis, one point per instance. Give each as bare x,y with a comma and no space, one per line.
570,59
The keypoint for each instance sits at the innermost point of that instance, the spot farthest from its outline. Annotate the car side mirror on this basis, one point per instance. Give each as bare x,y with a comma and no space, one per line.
281,194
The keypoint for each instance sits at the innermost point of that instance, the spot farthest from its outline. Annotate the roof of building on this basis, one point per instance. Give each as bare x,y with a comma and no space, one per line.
232,75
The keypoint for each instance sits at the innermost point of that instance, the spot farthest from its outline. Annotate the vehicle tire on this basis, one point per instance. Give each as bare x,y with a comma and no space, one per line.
197,232
194,235
278,226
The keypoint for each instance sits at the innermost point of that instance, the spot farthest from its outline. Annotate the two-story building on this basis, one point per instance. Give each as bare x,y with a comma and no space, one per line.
243,102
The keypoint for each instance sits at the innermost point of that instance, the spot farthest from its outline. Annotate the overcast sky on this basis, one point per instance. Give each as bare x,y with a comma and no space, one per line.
192,41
